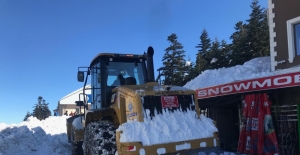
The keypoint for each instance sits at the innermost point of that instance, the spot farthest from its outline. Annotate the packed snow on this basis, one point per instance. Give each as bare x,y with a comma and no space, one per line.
77,123
35,137
163,128
255,68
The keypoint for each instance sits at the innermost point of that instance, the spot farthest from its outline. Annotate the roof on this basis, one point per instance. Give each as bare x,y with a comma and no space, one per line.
74,96
253,75
251,85
115,55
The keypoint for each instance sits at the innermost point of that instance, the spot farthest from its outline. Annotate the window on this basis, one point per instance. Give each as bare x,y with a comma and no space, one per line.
297,38
126,69
95,70
293,37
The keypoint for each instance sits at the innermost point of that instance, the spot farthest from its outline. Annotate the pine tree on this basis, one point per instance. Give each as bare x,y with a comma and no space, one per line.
250,40
41,110
238,51
215,55
37,111
202,57
174,68
258,32
225,51
27,115
191,73
45,109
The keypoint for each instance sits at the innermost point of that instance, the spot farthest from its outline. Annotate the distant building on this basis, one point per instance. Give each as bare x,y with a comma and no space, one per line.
67,103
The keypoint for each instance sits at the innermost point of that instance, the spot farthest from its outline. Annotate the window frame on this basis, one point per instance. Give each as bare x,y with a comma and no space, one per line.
297,45
291,38
95,86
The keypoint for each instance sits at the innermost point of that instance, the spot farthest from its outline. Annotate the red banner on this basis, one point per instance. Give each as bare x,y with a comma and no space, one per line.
258,133
265,83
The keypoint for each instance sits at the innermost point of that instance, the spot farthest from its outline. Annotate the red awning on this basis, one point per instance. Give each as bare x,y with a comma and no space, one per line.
258,84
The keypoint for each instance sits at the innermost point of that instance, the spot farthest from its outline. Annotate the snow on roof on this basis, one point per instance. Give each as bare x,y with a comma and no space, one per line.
74,96
255,68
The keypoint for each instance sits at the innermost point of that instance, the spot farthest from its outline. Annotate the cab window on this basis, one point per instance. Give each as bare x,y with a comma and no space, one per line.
125,70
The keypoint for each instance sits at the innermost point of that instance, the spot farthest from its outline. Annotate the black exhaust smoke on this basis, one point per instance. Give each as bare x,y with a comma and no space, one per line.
150,65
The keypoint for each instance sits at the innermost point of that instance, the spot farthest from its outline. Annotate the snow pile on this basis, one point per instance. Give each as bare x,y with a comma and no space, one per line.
169,127
255,68
35,137
77,123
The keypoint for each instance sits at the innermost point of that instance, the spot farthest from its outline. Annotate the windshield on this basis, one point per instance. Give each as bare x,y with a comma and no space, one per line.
117,70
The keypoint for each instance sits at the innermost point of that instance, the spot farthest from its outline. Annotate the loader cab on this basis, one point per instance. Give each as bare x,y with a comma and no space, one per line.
108,71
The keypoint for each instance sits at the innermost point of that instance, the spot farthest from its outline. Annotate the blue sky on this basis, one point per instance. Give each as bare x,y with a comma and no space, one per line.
43,42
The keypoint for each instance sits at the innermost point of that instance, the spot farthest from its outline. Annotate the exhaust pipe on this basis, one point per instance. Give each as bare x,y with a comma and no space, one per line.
150,65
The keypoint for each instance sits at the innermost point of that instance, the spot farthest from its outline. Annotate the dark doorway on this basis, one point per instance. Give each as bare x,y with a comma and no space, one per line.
227,118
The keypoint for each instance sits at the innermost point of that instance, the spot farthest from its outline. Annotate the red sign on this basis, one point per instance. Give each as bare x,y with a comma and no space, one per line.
169,101
265,83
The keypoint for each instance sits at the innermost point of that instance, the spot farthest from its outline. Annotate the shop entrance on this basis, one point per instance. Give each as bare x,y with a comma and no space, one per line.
225,111
286,112
228,125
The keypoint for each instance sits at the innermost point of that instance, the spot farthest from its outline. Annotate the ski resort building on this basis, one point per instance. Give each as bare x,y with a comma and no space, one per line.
67,103
265,110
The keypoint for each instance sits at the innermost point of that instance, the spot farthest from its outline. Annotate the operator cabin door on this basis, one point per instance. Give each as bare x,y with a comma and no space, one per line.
96,86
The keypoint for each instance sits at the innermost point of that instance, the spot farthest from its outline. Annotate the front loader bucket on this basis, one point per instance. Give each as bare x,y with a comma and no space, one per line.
184,147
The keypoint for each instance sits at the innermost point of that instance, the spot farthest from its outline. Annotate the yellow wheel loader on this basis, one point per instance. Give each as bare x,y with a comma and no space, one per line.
123,90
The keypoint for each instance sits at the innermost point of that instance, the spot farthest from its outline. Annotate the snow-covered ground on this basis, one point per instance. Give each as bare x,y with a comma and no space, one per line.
34,137
48,137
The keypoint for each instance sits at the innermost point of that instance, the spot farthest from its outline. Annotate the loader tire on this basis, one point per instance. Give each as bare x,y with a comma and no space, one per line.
77,148
100,138
76,145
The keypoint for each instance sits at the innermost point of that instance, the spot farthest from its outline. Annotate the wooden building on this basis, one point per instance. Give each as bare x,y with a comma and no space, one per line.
224,103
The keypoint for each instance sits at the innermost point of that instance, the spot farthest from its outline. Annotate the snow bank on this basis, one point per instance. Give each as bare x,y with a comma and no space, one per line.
77,123
48,137
169,127
255,68
35,137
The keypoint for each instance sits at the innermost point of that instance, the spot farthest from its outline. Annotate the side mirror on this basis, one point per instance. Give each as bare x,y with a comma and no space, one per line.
99,77
80,76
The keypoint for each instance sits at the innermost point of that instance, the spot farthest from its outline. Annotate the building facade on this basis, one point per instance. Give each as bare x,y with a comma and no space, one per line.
67,103
226,103
284,28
